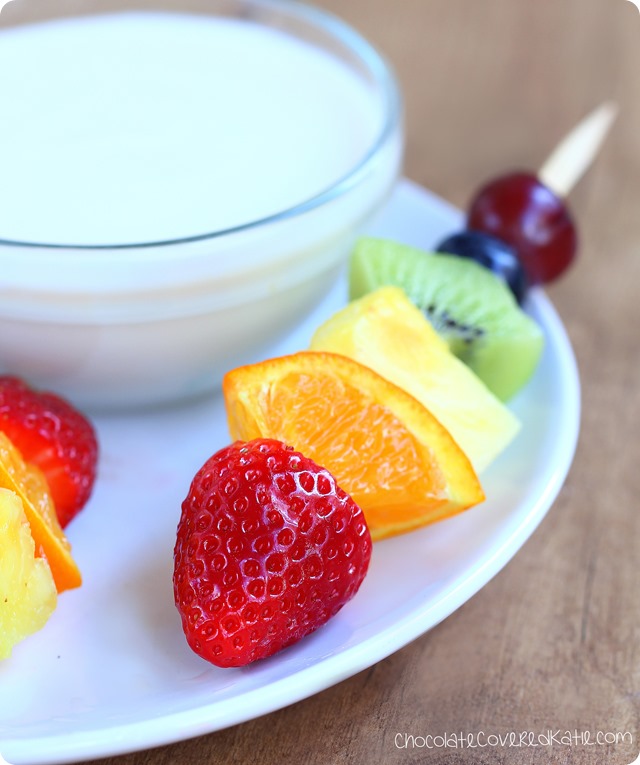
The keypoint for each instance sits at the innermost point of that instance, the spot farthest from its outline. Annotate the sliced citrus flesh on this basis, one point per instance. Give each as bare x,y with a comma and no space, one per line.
387,333
50,541
384,448
27,591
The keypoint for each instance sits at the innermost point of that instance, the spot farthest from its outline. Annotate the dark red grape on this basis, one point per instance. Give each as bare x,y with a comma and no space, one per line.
526,214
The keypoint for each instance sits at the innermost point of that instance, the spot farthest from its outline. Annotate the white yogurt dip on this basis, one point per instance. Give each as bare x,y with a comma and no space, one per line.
146,126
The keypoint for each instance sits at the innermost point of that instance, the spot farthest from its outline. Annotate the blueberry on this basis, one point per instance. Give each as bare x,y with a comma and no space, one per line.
492,253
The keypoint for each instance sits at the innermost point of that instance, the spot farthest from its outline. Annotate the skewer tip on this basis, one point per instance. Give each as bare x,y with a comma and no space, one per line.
575,153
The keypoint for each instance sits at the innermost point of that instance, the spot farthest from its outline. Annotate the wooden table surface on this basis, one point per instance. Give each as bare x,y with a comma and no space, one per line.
553,642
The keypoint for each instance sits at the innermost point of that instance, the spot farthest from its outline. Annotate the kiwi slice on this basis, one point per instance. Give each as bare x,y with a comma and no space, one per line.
471,308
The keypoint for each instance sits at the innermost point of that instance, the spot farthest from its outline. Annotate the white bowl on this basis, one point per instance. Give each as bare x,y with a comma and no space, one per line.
129,324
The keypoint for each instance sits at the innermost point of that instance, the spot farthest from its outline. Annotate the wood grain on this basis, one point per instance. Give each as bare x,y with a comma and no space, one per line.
554,640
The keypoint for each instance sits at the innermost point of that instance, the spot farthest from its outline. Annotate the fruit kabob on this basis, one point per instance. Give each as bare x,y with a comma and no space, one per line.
393,413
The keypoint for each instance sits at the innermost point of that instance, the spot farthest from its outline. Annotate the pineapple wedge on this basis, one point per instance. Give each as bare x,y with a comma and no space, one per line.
387,333
27,590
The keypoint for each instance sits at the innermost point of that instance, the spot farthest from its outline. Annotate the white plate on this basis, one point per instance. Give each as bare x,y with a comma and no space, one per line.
112,673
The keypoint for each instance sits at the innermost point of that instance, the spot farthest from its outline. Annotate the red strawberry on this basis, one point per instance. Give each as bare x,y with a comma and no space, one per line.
268,549
51,434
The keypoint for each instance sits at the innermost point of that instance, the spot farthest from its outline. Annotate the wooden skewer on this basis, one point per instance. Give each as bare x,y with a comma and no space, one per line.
574,154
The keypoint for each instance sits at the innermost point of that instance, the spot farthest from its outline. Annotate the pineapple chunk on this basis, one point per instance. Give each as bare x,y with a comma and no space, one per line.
27,591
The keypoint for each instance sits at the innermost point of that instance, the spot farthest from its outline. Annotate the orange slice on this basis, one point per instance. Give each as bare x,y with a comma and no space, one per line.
31,486
384,448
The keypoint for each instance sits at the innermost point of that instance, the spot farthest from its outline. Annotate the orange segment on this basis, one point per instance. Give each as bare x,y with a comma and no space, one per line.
31,486
385,448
